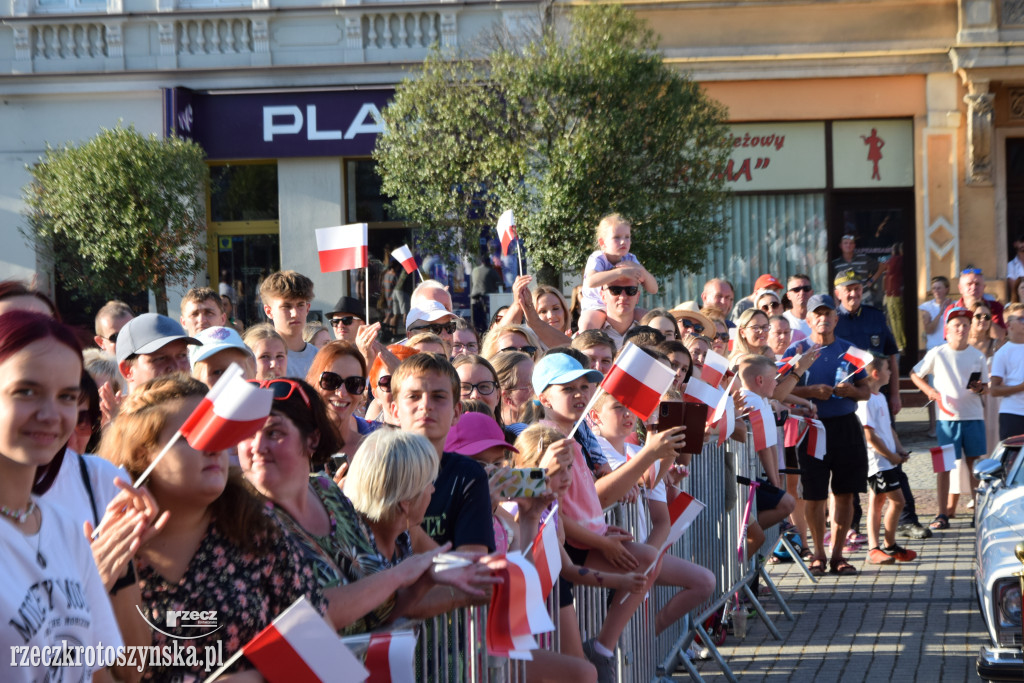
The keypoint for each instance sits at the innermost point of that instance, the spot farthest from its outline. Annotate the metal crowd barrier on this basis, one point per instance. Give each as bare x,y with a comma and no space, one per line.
452,646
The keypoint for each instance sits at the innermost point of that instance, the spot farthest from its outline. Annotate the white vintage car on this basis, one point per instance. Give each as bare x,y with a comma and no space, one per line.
999,514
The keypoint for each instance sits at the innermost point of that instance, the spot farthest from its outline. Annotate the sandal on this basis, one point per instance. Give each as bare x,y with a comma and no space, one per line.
806,554
940,522
841,567
817,566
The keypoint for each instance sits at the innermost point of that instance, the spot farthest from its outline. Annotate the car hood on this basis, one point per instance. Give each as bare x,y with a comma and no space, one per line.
1000,529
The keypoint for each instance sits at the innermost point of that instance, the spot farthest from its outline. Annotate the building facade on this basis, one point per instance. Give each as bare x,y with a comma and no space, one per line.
898,121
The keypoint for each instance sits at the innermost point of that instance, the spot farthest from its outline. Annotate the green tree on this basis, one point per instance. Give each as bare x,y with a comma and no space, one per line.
120,213
562,130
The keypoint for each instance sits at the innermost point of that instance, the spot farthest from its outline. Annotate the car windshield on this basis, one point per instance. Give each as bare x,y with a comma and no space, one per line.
1009,458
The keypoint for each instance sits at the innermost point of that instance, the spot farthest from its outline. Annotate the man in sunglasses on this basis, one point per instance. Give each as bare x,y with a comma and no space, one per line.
109,320
972,291
347,318
868,269
620,299
431,316
799,291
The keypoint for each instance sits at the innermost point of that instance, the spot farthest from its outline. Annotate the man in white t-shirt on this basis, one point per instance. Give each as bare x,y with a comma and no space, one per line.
799,291
1008,374
1015,268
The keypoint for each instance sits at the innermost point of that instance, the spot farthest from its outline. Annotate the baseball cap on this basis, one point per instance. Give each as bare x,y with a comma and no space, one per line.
954,312
474,433
428,311
845,278
213,340
821,300
560,368
767,280
350,305
148,333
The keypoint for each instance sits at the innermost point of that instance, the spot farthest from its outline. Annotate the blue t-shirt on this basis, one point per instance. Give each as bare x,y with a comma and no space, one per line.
829,368
460,509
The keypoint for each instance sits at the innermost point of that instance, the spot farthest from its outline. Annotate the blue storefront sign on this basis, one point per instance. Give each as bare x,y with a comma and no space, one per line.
275,125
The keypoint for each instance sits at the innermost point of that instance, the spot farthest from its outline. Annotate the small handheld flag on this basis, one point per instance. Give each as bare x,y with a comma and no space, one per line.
943,458
715,368
637,381
404,256
391,657
507,231
343,247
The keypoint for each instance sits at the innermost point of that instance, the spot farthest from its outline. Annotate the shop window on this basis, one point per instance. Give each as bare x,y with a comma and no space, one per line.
243,193
367,203
768,233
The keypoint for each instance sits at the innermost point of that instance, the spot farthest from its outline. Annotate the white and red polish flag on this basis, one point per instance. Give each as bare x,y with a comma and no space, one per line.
517,611
794,431
507,231
404,256
859,358
231,411
725,409
787,365
390,657
943,458
547,556
699,391
715,368
299,646
733,333
681,511
759,429
637,381
816,439
343,247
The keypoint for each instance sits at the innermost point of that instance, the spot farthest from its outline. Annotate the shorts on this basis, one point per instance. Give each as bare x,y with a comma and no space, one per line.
767,496
884,481
966,436
845,464
577,555
565,595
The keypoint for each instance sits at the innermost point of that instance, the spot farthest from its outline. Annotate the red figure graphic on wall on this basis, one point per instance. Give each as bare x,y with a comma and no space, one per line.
875,145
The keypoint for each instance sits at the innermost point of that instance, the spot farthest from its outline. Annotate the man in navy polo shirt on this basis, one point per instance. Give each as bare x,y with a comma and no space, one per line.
867,328
834,385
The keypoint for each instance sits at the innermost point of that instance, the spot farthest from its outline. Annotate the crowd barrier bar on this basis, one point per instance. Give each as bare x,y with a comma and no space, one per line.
452,646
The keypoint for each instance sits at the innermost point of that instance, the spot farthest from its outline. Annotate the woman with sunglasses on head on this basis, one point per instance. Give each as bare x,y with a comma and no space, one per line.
218,550
511,338
514,370
479,381
338,372
661,320
298,438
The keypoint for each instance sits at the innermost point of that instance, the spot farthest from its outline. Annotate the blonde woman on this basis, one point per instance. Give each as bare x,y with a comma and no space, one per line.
511,338
269,349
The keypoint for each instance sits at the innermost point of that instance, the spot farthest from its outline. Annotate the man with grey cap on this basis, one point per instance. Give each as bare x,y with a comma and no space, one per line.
835,385
150,346
347,318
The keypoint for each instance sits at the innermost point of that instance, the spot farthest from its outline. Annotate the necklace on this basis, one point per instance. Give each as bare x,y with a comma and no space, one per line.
19,516
40,558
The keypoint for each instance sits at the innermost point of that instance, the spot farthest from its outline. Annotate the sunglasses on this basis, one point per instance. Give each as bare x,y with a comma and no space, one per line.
529,350
770,306
112,338
688,324
617,290
281,388
756,328
971,271
332,381
384,383
435,328
982,316
722,336
802,288
344,320
482,388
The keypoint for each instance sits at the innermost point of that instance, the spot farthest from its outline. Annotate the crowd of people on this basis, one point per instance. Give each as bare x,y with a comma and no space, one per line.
377,457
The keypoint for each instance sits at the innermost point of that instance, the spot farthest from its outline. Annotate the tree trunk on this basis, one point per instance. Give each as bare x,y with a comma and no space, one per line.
549,275
160,292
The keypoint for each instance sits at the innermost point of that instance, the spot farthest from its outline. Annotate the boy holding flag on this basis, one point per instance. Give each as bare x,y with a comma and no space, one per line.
961,376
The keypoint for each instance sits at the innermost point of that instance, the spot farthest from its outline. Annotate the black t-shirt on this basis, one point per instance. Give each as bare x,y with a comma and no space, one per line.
460,509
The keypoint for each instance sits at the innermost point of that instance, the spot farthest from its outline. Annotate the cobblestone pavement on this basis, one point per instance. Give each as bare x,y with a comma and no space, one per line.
916,621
